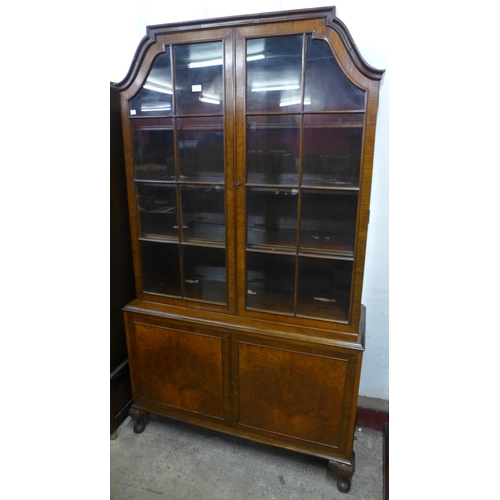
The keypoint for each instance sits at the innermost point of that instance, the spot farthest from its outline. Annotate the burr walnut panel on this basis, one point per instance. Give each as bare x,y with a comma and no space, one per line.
296,393
181,369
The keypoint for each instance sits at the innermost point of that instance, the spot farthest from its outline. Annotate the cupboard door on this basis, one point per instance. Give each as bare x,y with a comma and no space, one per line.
301,395
180,372
181,172
300,124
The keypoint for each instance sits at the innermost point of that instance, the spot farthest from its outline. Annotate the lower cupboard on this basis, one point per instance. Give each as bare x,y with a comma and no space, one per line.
300,395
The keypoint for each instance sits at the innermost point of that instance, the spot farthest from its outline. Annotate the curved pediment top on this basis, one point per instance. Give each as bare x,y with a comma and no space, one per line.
341,29
141,50
328,14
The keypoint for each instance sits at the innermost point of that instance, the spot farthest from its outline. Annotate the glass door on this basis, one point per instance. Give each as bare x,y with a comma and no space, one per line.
177,125
299,187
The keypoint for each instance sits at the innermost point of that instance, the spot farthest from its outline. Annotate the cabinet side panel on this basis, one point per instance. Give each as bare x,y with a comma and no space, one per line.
292,394
122,289
179,369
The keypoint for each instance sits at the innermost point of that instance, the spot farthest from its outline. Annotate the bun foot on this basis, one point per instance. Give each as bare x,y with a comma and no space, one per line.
140,417
345,472
343,485
139,426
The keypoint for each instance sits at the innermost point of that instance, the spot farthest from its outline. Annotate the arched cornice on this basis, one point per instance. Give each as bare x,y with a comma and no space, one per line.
140,52
327,14
341,29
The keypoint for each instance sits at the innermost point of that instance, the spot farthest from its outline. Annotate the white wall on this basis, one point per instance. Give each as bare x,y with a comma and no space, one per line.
366,22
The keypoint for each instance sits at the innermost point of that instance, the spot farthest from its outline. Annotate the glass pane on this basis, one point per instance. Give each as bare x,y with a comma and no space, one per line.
160,268
198,78
274,73
205,273
157,211
155,96
324,288
326,86
270,282
332,150
201,149
272,218
154,149
203,213
273,149
328,222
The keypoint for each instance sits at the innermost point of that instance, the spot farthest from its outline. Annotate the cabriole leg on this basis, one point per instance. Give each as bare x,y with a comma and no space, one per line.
345,472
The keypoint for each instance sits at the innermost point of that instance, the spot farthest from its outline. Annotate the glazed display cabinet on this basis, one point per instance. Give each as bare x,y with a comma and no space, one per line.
248,145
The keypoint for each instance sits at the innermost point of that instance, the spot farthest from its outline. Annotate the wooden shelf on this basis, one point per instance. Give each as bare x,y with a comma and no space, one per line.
205,290
315,242
204,233
313,308
266,239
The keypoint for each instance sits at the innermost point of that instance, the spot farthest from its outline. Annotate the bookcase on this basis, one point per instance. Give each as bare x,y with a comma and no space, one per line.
248,144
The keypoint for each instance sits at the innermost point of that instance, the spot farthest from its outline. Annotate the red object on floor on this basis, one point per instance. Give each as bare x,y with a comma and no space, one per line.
373,419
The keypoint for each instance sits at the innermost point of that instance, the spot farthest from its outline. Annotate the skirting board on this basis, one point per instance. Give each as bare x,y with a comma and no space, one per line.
372,413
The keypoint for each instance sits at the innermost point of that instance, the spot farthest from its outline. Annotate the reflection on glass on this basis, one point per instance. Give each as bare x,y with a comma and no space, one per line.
328,222
201,149
154,149
203,213
155,96
326,86
205,273
324,288
273,145
160,268
157,207
274,73
270,282
272,218
332,150
198,78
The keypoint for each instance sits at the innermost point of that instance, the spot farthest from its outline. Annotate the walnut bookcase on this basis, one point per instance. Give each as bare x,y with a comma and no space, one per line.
248,145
